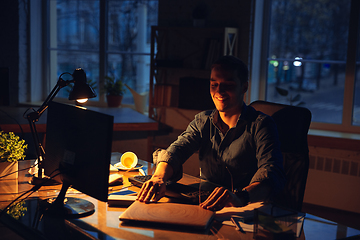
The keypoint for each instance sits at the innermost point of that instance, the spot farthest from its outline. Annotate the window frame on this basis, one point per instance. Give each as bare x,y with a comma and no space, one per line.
258,78
50,79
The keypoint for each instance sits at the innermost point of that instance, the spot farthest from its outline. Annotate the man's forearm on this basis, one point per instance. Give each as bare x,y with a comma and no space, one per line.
259,191
164,171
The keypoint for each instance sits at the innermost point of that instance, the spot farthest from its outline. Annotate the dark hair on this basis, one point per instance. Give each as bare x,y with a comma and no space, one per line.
232,63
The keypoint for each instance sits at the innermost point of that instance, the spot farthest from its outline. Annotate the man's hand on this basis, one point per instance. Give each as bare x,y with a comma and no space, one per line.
152,190
220,198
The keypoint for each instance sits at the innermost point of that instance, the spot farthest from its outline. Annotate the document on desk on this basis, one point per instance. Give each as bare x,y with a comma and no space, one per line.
243,216
124,197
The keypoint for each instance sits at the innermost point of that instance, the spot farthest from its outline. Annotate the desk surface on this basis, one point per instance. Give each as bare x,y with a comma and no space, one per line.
125,119
105,224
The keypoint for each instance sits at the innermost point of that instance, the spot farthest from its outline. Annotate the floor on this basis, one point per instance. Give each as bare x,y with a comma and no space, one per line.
349,219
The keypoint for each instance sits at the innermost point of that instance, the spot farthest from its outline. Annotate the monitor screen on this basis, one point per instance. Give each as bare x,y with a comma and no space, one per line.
78,145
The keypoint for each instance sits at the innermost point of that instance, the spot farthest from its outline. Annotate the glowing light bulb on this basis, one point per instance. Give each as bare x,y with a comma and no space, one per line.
83,100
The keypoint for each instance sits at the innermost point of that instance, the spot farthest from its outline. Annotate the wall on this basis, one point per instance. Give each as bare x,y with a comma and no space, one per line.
131,141
10,47
334,178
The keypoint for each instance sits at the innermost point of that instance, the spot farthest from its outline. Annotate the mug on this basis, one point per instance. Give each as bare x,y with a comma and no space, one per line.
129,160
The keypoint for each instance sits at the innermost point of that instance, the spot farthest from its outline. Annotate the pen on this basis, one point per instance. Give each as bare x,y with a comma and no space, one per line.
237,225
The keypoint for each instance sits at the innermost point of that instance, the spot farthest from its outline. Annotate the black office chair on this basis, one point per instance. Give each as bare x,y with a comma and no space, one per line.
293,124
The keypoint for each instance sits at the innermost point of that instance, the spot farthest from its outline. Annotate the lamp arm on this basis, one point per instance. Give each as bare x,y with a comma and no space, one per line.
34,117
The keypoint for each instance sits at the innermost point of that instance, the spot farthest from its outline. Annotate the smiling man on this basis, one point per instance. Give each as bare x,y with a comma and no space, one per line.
238,147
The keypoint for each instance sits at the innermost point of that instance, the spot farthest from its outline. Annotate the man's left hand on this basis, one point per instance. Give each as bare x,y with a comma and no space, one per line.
220,198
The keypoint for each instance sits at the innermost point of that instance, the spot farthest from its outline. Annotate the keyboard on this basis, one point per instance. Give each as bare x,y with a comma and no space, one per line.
188,193
138,180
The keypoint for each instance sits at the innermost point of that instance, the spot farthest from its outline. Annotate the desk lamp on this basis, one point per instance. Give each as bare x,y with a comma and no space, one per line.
80,92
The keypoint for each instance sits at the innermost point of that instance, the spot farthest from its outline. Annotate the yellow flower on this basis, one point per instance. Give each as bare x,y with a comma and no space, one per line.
12,148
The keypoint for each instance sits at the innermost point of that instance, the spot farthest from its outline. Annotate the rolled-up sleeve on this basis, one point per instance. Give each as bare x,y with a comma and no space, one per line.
181,149
162,155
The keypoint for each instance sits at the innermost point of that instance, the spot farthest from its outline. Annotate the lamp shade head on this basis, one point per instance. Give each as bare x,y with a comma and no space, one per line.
81,89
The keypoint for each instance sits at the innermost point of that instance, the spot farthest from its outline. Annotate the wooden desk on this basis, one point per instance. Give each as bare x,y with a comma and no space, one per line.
125,119
105,224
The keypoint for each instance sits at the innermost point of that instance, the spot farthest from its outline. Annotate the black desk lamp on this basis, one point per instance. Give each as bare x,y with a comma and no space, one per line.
80,92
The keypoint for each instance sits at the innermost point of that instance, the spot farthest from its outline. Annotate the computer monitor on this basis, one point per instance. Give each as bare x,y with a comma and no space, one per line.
78,146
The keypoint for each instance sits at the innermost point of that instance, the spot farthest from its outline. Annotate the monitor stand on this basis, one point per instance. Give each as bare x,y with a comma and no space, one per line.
68,207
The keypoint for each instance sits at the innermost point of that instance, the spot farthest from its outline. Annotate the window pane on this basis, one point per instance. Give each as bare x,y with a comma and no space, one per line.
133,70
74,41
129,26
68,61
78,24
307,54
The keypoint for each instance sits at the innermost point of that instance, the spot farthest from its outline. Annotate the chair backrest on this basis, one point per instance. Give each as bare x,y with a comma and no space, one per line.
293,123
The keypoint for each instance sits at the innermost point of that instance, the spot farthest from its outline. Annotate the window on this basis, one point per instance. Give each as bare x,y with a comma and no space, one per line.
105,38
309,62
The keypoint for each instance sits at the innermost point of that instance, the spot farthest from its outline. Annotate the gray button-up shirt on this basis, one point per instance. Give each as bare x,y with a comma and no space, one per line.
247,153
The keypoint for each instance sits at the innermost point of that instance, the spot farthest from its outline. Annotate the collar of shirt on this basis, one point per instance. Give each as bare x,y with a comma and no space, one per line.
214,117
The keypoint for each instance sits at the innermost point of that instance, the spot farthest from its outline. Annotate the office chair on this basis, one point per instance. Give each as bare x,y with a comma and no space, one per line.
293,124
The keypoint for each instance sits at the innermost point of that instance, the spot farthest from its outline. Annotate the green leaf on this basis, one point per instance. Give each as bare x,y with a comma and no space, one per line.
113,86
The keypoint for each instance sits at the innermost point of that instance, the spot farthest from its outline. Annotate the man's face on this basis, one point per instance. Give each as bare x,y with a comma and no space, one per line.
226,90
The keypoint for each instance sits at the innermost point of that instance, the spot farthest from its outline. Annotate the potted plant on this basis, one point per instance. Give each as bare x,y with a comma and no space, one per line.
114,90
12,149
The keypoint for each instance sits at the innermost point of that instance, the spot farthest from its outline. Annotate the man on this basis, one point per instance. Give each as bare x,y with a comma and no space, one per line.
238,146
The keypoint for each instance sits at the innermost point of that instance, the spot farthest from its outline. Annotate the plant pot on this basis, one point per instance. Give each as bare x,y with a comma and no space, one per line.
9,167
113,101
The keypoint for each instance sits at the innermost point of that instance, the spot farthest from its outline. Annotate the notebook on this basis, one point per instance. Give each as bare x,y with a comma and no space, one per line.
168,214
